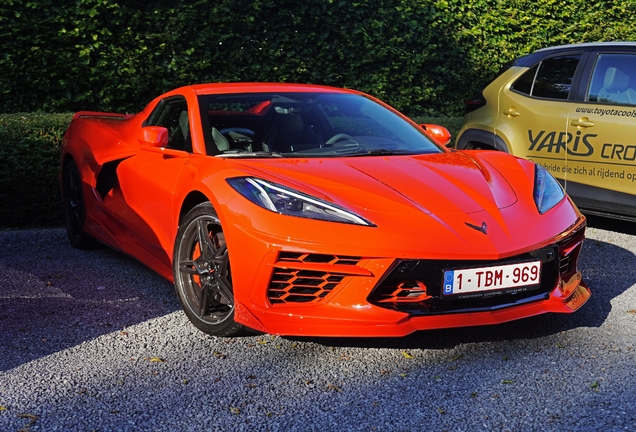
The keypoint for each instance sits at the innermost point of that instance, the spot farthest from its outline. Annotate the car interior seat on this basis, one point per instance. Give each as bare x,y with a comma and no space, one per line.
239,138
228,139
614,86
222,144
630,93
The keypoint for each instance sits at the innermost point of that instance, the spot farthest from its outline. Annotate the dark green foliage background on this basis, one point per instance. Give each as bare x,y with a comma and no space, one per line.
421,56
29,164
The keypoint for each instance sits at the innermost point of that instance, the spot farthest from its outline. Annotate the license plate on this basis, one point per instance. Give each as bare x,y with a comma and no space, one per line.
484,279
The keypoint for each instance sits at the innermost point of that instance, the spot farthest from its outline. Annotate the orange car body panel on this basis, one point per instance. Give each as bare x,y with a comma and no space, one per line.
420,205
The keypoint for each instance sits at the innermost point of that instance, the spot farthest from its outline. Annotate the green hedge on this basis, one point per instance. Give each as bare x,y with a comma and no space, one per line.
422,56
29,164
29,167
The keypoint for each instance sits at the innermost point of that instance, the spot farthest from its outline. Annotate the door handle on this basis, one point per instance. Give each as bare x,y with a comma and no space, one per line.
512,112
583,122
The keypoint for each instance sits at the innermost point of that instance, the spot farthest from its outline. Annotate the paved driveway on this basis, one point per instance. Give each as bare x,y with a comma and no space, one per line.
95,341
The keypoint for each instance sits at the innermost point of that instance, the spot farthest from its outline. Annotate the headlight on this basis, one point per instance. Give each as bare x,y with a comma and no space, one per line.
286,201
547,190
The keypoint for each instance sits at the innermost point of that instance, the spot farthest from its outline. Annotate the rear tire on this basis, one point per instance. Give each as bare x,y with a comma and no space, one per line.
202,276
74,208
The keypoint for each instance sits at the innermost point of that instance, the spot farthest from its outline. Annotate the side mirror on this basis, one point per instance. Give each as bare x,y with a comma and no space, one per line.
439,134
153,136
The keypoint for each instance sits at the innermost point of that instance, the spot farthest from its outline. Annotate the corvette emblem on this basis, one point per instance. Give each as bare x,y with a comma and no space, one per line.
483,228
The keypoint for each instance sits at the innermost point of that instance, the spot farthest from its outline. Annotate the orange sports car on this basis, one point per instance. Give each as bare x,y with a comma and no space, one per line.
308,210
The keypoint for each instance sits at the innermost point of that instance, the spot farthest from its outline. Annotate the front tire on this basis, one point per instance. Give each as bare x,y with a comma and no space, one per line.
202,276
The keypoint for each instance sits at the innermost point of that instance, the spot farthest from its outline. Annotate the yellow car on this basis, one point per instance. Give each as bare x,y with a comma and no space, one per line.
571,109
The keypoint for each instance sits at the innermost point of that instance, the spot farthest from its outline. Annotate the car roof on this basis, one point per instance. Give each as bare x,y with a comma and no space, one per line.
529,60
590,45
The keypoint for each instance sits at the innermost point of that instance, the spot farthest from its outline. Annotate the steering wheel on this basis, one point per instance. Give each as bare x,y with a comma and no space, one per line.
339,137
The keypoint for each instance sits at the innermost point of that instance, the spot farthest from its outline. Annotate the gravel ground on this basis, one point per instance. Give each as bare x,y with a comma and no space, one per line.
95,341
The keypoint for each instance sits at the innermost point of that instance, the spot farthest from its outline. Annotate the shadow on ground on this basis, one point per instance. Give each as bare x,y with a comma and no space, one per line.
53,297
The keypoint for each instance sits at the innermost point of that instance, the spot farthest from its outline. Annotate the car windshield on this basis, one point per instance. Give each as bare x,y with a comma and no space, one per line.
306,125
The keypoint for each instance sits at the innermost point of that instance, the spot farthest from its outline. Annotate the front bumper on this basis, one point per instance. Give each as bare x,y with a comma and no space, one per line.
318,294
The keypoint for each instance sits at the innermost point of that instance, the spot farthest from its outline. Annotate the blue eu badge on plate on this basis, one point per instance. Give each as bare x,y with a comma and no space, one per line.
448,282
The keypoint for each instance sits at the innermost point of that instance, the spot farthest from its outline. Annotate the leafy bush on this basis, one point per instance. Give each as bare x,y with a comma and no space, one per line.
421,56
29,165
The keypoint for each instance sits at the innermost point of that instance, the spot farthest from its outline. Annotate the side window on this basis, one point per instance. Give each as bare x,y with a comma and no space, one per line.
550,79
172,113
614,79
523,84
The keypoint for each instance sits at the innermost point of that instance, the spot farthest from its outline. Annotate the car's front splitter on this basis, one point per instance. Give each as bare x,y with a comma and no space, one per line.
330,320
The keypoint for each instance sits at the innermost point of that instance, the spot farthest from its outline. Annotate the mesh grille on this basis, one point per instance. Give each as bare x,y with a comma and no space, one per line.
569,250
318,258
565,264
300,285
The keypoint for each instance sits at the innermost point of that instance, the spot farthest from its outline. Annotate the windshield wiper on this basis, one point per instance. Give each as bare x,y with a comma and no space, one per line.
260,154
383,152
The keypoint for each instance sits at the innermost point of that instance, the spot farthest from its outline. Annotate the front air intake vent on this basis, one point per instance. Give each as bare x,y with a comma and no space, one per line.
318,258
301,286
310,277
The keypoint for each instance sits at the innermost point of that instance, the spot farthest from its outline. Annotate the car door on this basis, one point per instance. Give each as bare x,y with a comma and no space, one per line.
147,184
602,176
533,112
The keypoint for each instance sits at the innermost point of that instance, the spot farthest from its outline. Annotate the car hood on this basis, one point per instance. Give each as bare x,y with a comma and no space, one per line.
442,205
440,184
